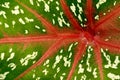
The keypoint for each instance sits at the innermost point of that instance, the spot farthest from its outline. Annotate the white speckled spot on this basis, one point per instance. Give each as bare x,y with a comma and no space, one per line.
46,62
22,12
37,3
79,17
6,25
38,78
54,15
47,8
24,61
76,43
70,47
3,13
83,77
107,58
15,10
80,8
67,63
95,73
2,56
26,32
33,76
109,64
0,23
6,5
62,21
43,30
113,76
45,71
13,23
116,63
10,50
81,69
28,20
12,66
40,0
54,75
97,17
75,78
3,76
58,69
89,49
100,2
53,21
11,56
57,2
104,14
21,21
37,27
89,69
114,3
79,1
31,2
57,8
61,77
63,74
57,60
70,55
61,51
73,8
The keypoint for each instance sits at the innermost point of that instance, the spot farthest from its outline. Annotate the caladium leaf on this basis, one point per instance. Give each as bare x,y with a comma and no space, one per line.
59,39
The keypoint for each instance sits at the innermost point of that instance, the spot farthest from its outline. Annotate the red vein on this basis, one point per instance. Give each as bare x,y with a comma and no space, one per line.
70,16
98,59
27,39
115,12
70,35
50,28
89,13
40,38
77,57
47,54
108,45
